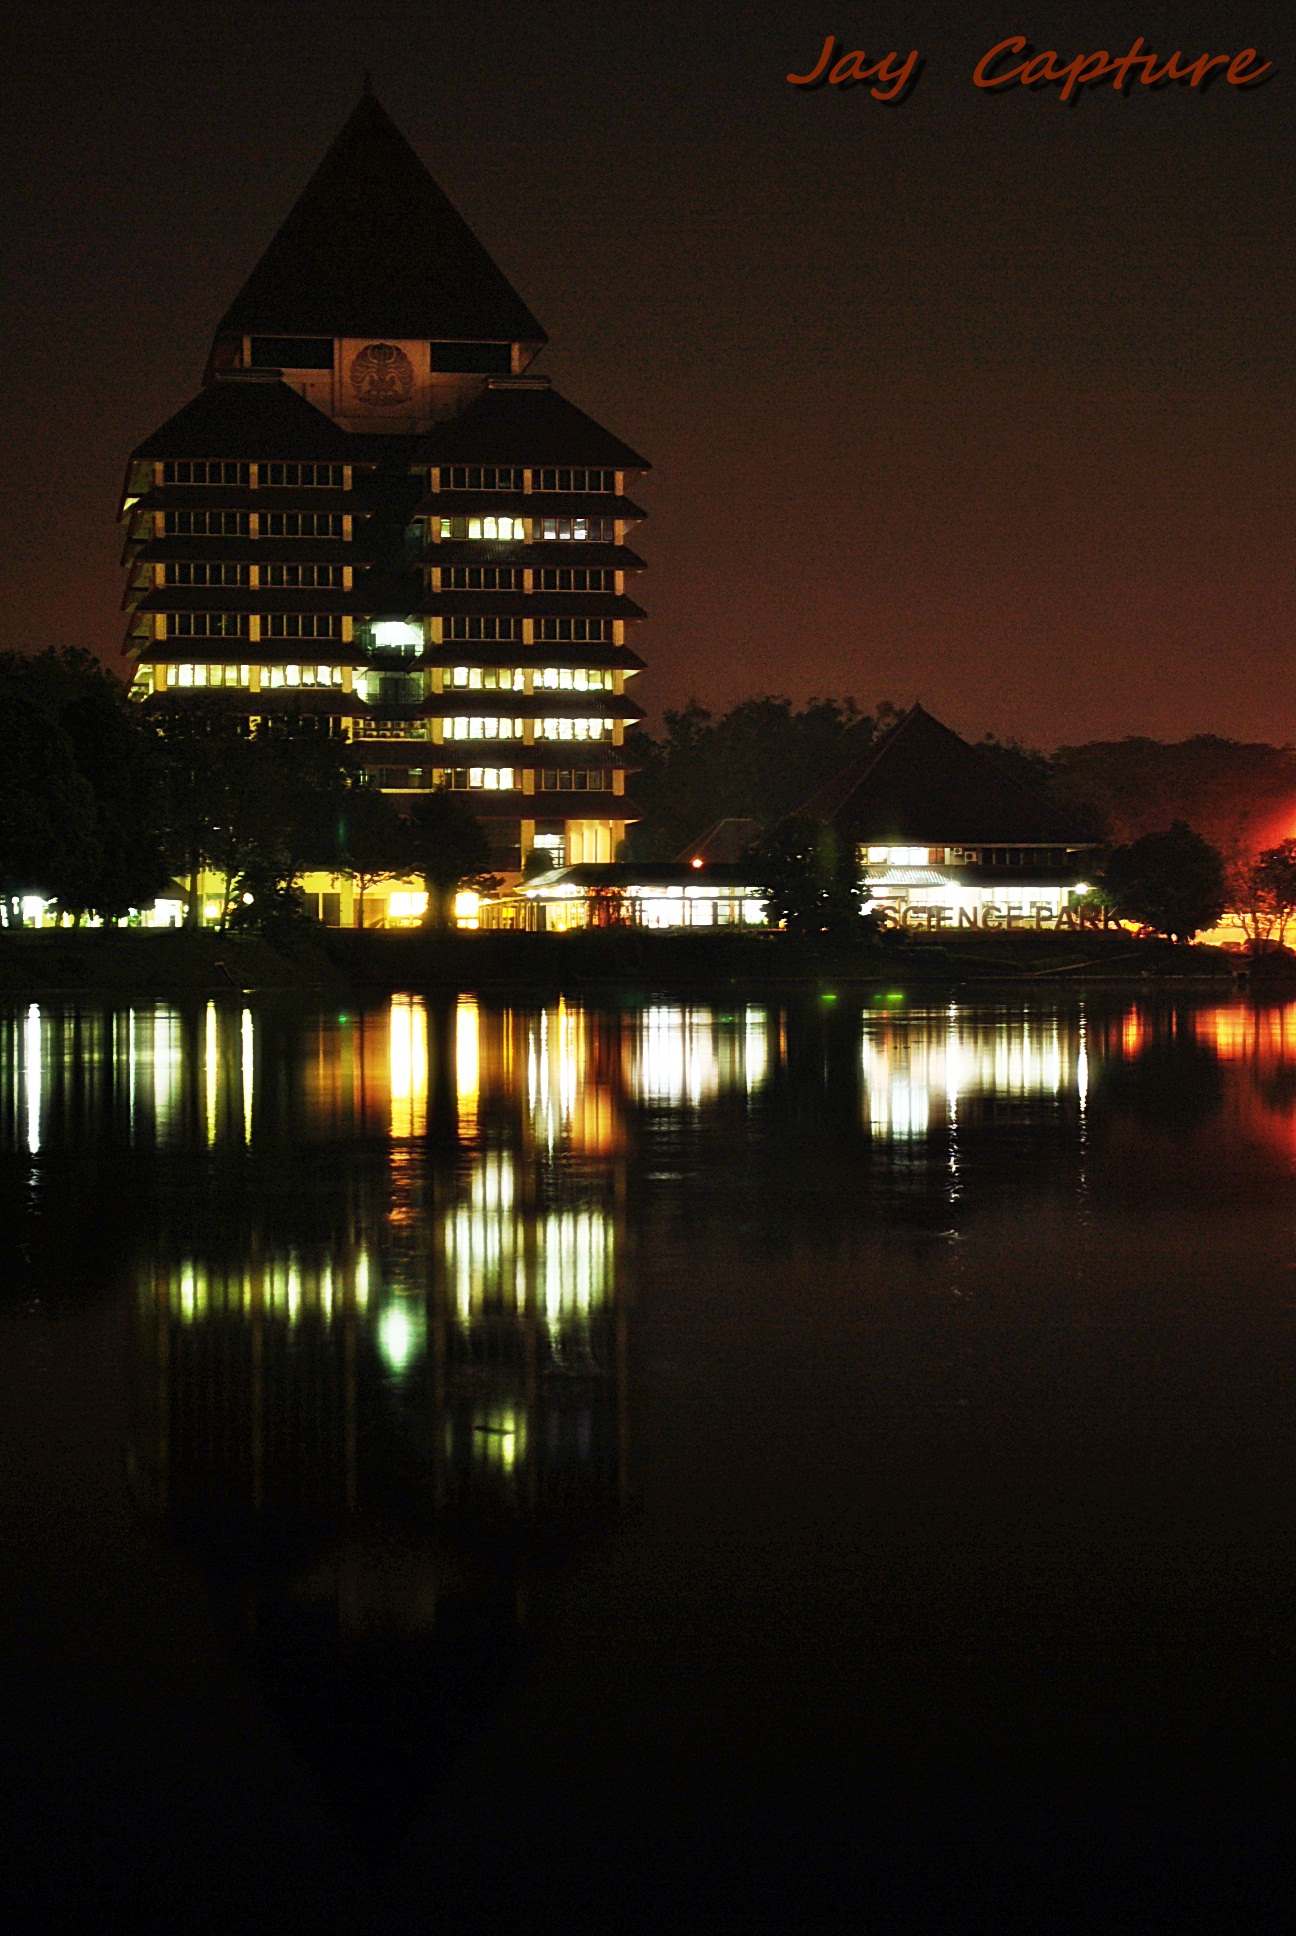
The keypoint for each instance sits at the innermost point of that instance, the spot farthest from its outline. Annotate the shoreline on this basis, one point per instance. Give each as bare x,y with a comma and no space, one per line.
166,963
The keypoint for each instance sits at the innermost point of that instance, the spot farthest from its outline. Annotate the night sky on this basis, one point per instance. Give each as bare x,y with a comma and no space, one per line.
982,399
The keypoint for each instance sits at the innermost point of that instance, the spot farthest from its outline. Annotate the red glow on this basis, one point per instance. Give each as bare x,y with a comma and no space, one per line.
697,863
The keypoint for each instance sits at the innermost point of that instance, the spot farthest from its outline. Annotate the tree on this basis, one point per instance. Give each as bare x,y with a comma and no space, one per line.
47,809
1262,894
1172,882
1228,789
372,842
447,847
761,760
117,861
268,804
811,878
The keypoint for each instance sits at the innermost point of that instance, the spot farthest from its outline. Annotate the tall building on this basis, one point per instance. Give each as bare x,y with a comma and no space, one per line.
375,522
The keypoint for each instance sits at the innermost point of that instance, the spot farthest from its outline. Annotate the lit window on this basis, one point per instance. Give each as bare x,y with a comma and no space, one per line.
186,675
397,634
294,675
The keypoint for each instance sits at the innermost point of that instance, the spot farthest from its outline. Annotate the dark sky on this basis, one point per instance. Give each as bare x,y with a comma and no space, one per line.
984,399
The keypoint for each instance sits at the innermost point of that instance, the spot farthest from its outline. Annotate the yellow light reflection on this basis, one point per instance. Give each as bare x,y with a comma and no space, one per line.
32,1075
407,1052
467,1063
247,1071
211,1072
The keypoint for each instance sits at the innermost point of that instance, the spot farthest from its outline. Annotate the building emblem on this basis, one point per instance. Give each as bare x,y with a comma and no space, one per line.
381,375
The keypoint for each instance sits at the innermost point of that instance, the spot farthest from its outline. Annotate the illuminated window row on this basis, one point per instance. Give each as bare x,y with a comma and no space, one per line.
463,778
574,728
545,678
575,679
581,530
488,678
509,528
550,779
240,675
483,729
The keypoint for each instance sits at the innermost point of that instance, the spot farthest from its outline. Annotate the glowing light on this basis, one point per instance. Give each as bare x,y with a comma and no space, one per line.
401,1333
697,863
396,633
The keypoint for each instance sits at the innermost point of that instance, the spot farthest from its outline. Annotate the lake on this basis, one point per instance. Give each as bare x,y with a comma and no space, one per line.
808,1463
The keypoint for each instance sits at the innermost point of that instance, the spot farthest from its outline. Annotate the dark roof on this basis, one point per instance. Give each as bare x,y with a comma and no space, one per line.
373,248
925,786
520,420
247,419
640,873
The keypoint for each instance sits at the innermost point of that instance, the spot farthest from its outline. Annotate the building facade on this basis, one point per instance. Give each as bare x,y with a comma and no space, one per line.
949,838
376,522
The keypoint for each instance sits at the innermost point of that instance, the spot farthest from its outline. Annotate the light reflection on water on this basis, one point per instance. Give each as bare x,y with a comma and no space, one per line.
382,1290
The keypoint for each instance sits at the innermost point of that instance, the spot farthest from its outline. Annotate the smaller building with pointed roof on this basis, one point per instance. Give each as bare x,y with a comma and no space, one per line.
949,838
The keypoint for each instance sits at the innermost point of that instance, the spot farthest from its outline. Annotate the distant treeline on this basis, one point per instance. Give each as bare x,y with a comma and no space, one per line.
765,757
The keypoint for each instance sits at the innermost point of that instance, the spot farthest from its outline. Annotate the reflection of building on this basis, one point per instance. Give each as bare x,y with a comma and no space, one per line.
952,840
374,523
315,1382
917,1068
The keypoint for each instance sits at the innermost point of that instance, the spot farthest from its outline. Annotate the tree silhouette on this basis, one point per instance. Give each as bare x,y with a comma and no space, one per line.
1172,882
447,847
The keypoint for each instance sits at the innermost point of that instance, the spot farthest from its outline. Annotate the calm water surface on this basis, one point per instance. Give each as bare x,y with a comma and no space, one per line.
777,1465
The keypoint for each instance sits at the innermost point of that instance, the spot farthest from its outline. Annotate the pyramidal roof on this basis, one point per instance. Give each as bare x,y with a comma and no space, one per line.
924,786
241,416
373,248
520,420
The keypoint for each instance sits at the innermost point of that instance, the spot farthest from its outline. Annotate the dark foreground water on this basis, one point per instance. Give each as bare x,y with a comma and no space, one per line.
659,1466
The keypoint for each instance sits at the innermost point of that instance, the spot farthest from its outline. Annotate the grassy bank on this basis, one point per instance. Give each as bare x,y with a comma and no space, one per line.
174,963
636,958
163,961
